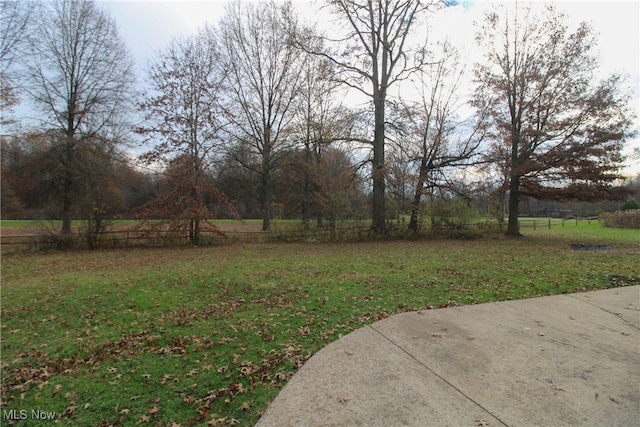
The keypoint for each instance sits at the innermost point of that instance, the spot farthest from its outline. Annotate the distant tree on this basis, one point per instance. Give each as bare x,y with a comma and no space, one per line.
240,183
321,122
81,77
629,205
19,176
264,80
373,57
557,131
335,188
183,122
32,175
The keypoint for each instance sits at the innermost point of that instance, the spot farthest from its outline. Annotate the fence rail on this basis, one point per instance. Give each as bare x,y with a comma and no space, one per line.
550,222
134,237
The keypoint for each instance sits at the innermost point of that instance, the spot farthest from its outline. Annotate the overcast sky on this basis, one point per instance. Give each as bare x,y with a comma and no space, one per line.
148,25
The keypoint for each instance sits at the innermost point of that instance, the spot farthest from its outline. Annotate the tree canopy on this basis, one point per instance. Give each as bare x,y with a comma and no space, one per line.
557,130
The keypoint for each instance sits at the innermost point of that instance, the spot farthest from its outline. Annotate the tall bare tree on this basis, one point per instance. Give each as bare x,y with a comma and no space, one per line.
431,131
264,79
557,131
374,56
183,122
80,76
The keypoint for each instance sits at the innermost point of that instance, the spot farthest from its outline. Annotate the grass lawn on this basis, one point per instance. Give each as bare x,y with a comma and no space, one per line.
190,336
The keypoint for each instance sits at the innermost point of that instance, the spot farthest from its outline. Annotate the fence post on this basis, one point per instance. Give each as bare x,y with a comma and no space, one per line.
576,221
549,223
534,224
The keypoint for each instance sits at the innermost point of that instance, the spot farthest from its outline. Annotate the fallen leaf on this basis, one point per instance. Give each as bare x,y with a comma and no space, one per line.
613,399
56,389
154,410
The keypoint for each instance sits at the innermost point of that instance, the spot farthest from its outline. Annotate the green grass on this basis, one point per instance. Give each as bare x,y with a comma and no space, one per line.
191,335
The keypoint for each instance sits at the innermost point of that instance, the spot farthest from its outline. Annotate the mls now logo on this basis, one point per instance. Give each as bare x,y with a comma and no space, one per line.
14,414
23,414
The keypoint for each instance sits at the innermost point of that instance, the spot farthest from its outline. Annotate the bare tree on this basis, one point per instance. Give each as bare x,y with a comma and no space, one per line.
183,121
557,134
374,56
15,21
264,79
81,77
431,132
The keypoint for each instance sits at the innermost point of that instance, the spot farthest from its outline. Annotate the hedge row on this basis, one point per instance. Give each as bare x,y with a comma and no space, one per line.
622,219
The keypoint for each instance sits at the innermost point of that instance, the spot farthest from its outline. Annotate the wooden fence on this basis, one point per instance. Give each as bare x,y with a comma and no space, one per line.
138,237
145,238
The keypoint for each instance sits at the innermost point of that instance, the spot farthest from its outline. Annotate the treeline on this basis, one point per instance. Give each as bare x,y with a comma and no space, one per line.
109,186
248,117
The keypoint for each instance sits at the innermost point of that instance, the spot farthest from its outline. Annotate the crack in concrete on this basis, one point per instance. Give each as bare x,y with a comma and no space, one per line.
618,315
439,376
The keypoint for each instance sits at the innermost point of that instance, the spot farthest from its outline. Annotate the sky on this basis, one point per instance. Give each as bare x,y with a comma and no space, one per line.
148,25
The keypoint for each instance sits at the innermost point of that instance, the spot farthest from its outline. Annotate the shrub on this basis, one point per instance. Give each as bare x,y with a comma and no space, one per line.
449,214
622,219
630,205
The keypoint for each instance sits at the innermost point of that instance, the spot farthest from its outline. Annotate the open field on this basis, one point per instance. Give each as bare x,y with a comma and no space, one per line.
190,336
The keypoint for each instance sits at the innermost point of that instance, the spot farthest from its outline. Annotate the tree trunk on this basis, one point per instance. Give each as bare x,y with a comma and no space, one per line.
66,211
267,191
379,202
266,206
306,192
514,196
267,197
415,205
67,186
